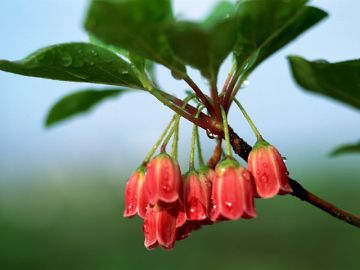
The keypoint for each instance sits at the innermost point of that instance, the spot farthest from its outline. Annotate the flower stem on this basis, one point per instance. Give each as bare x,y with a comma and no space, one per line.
170,134
251,123
192,150
174,129
198,143
194,138
226,133
158,142
174,148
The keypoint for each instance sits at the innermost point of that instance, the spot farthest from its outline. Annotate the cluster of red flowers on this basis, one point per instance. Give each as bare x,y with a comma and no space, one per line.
173,205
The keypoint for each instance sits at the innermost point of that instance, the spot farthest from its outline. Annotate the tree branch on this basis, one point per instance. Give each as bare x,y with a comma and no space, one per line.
243,149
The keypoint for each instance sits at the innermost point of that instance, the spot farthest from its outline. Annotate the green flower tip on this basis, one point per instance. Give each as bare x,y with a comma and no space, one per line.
261,143
141,169
228,162
189,173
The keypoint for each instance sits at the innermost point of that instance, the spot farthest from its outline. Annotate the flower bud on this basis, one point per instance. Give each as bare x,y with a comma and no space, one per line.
136,200
163,179
232,192
269,170
196,196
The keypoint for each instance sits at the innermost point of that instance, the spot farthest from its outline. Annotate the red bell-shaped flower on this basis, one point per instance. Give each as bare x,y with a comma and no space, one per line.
268,170
163,179
160,226
196,196
136,200
232,192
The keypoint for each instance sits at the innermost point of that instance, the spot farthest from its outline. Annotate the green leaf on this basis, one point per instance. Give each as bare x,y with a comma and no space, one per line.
136,26
143,65
222,10
78,103
76,62
94,40
346,149
266,26
204,47
340,81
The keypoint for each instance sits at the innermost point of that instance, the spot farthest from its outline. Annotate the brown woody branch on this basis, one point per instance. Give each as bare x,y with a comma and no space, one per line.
243,149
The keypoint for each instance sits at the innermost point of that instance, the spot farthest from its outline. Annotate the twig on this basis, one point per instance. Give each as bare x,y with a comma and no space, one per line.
200,94
243,149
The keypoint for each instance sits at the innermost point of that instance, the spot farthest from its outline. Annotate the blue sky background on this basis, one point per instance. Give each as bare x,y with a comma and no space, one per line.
118,134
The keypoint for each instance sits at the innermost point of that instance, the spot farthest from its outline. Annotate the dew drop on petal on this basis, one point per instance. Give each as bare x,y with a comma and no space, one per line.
228,205
165,188
264,179
146,227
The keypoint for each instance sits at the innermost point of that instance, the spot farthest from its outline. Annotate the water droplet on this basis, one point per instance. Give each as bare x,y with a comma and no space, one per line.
264,178
66,60
245,84
94,53
146,228
228,204
284,159
123,71
210,134
192,210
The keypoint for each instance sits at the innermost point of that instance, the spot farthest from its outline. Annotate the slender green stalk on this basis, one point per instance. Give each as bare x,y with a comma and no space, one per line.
198,142
174,148
226,133
168,137
192,150
251,123
238,86
175,129
158,142
194,138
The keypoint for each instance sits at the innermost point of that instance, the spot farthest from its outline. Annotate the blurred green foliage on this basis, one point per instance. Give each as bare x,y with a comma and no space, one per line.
79,225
